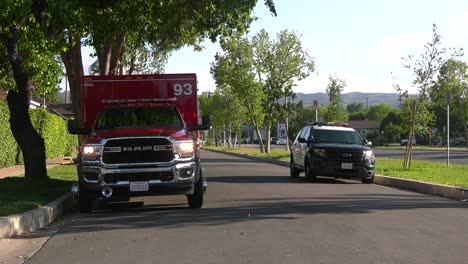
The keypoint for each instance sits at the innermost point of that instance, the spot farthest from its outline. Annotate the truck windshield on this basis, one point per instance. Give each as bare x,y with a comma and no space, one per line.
336,136
166,117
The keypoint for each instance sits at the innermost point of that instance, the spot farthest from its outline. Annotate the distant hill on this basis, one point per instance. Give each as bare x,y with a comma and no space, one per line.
349,98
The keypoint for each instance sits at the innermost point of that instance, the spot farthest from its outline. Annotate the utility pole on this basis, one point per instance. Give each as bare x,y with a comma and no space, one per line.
316,105
447,100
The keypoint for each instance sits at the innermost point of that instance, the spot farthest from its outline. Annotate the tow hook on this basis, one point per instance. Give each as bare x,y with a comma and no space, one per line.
75,190
107,192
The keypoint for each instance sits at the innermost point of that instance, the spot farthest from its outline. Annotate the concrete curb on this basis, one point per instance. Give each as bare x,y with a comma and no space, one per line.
451,192
35,219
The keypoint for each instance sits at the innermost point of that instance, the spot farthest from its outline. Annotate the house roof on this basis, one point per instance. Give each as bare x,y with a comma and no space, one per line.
364,124
63,110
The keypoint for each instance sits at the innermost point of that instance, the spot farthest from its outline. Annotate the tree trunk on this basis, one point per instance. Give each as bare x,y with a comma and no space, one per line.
409,145
259,135
31,144
104,55
287,133
116,53
268,133
74,69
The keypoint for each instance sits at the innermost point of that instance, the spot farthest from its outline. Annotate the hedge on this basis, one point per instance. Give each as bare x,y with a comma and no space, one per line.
52,128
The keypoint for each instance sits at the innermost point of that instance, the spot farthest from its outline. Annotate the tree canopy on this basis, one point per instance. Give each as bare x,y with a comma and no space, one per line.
335,110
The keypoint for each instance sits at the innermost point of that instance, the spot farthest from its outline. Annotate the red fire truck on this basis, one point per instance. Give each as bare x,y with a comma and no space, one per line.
140,138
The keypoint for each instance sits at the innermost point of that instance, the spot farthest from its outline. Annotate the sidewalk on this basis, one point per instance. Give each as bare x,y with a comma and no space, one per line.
18,170
29,221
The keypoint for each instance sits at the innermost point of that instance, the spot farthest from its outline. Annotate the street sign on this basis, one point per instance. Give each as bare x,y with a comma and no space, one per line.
316,104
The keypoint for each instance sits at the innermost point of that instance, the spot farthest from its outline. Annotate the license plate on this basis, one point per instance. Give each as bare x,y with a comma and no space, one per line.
347,166
139,186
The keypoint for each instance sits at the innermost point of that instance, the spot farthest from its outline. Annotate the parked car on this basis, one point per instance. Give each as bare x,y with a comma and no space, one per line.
458,142
404,142
281,141
332,150
274,141
246,141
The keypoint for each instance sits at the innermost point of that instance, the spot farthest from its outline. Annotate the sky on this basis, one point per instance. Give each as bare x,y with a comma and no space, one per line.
360,41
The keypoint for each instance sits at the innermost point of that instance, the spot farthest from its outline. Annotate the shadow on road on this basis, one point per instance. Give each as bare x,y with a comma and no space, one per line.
273,179
177,215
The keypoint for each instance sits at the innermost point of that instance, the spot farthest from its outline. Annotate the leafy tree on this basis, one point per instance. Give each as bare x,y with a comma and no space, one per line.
300,116
415,110
355,107
361,115
228,114
392,126
378,112
261,72
26,63
335,111
279,64
233,71
453,80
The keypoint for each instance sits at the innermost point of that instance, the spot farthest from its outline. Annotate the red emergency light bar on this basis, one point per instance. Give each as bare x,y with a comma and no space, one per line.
140,100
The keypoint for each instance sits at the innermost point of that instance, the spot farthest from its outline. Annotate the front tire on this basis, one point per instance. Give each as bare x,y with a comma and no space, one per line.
84,202
367,181
293,171
309,175
195,200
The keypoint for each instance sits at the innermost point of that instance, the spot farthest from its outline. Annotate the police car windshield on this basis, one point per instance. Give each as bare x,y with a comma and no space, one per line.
337,136
166,117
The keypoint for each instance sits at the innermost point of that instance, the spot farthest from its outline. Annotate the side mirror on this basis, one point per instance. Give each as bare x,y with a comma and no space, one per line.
367,142
74,128
206,124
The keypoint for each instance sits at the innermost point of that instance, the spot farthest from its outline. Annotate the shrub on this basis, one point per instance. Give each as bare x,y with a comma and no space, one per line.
8,146
53,129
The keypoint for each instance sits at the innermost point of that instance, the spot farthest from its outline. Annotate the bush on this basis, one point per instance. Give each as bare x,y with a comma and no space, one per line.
53,129
8,146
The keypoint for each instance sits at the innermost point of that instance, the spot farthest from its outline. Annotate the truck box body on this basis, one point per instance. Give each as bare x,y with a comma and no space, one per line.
98,91
141,138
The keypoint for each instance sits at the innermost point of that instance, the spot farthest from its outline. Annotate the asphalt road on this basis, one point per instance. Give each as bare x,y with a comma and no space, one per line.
254,213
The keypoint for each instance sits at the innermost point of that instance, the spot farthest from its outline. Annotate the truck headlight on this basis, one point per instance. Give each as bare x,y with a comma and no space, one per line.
91,152
183,148
369,156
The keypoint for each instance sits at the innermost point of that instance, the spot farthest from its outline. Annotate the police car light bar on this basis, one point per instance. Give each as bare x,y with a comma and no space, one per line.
338,123
139,100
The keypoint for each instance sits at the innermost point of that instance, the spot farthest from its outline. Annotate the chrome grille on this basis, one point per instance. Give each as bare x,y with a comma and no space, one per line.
137,150
344,156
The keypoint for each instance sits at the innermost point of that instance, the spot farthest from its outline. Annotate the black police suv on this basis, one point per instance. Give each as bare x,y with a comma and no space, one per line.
332,149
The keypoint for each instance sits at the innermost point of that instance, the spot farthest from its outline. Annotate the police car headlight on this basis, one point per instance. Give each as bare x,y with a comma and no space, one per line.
320,152
91,152
369,156
183,148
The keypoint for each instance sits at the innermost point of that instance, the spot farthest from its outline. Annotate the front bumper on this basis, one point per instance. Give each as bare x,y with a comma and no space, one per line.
358,170
177,178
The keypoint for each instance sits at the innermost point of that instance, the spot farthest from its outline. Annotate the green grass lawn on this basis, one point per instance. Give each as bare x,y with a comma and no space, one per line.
426,171
18,195
422,147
